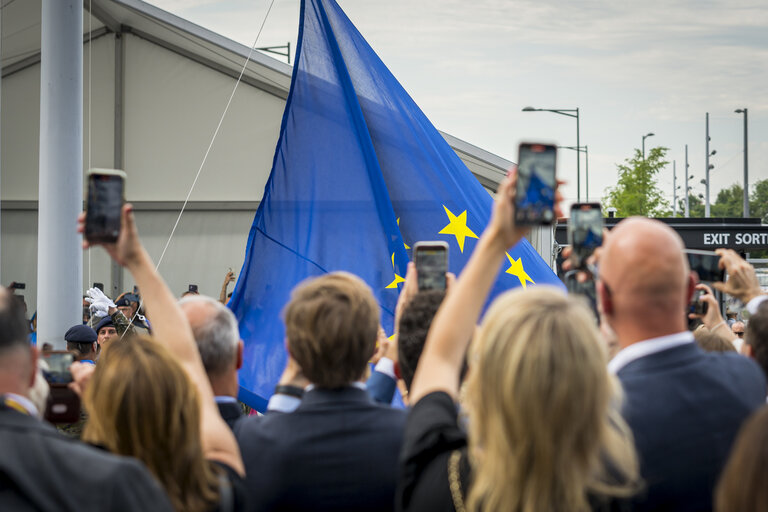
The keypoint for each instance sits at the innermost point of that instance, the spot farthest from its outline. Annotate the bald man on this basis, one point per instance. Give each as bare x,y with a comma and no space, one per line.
683,405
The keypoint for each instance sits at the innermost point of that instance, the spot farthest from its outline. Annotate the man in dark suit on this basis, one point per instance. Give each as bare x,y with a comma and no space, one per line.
683,405
338,450
218,340
37,464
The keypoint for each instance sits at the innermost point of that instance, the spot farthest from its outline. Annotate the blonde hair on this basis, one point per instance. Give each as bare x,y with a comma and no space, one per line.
543,427
141,403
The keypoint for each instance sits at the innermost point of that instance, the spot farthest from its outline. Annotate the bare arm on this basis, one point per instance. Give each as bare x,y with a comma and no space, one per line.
452,328
229,278
170,327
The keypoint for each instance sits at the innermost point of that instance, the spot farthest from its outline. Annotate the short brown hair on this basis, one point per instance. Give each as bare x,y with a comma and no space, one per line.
331,324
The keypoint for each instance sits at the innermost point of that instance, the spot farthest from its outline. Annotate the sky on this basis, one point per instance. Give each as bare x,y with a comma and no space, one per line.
631,68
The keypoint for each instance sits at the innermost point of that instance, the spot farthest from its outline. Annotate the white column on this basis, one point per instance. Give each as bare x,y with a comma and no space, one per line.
59,252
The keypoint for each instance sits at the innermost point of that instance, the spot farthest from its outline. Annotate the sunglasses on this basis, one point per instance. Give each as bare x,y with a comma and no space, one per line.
739,334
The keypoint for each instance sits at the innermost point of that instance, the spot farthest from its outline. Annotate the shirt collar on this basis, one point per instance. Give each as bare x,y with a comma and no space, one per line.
224,399
19,402
646,348
357,384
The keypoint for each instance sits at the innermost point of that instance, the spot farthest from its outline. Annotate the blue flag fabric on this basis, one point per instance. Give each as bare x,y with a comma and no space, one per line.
359,175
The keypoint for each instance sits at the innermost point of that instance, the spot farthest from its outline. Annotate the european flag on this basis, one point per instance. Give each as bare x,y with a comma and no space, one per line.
359,175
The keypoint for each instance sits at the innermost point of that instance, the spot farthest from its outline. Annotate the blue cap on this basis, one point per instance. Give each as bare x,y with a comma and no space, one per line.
105,322
80,334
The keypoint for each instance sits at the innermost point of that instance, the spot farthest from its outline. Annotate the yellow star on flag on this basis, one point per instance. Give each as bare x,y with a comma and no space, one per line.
398,225
397,279
457,227
517,270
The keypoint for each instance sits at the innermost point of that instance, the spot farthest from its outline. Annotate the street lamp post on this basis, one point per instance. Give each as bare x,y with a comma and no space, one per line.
570,112
687,188
645,137
585,150
708,167
674,188
746,168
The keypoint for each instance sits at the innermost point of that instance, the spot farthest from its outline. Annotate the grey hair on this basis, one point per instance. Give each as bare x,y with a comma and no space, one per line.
217,337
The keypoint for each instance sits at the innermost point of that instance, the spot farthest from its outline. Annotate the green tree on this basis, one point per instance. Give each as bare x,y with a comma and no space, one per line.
758,200
729,202
695,206
637,191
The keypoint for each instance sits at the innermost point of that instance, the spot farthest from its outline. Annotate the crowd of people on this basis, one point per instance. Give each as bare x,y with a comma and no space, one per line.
537,408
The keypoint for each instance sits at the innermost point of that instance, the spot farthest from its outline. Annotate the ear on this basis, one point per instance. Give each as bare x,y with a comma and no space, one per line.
604,299
95,347
239,354
691,288
33,373
747,350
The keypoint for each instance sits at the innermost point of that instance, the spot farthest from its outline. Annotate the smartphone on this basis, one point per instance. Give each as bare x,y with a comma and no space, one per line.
698,306
585,232
192,288
431,259
535,194
63,403
100,286
706,264
104,204
18,286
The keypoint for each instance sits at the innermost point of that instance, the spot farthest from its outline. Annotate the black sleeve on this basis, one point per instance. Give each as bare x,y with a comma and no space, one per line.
432,432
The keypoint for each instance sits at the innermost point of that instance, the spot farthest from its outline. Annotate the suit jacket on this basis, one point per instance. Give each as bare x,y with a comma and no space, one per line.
42,470
685,407
337,451
231,412
381,387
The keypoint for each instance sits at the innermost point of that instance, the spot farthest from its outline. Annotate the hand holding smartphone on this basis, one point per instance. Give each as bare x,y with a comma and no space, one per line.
104,203
536,183
63,403
585,232
431,259
706,264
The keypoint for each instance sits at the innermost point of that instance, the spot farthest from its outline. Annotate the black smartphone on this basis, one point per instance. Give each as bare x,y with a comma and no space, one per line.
18,286
63,403
706,264
585,232
698,306
104,204
535,194
100,286
431,259
192,288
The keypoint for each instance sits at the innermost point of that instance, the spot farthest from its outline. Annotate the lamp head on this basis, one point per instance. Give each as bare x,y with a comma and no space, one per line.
740,110
529,109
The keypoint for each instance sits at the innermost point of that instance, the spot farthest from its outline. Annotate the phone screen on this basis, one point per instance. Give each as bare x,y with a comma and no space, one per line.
104,205
535,195
431,265
58,367
706,264
585,231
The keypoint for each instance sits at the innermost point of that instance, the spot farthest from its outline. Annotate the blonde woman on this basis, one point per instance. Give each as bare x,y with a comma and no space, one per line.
150,398
543,432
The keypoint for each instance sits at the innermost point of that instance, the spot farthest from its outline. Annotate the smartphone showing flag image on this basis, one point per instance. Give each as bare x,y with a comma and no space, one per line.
535,194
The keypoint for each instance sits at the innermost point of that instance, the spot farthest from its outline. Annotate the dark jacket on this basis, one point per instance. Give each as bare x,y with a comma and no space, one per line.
231,412
337,451
42,470
685,407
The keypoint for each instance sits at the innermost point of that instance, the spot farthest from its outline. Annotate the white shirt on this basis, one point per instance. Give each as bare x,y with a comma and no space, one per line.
646,348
